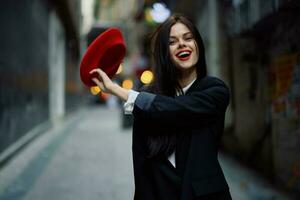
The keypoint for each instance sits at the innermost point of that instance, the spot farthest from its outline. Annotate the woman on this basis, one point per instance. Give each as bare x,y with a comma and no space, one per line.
178,120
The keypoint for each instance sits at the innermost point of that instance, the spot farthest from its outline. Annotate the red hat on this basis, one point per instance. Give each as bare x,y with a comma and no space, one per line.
106,52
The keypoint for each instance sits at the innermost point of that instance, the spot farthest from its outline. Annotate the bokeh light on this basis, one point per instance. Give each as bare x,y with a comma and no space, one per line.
160,12
146,77
127,84
95,90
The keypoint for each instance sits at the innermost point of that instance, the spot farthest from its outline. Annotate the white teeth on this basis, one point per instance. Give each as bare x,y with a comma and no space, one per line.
185,53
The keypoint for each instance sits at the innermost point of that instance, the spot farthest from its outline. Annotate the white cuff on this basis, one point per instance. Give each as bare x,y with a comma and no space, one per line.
129,104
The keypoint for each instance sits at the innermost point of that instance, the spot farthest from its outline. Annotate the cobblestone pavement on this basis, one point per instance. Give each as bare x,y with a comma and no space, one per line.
88,157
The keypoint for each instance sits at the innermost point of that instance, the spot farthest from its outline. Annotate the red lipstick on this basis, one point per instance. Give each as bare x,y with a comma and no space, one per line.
184,55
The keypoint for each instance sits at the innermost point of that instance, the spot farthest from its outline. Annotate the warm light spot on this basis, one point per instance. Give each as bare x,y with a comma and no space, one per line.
127,84
147,77
95,90
120,69
148,16
104,96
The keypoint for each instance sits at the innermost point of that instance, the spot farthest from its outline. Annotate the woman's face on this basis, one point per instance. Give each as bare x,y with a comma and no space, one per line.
183,47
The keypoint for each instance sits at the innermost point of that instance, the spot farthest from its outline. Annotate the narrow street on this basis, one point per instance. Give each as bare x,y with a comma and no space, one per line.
88,156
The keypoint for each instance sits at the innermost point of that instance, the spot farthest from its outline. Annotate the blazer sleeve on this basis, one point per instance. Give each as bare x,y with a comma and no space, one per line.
202,105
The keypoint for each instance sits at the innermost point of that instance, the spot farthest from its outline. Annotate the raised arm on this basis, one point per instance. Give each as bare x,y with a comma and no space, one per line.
202,105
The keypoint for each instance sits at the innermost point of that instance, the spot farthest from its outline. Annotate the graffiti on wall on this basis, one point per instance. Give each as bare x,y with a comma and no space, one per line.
284,86
284,93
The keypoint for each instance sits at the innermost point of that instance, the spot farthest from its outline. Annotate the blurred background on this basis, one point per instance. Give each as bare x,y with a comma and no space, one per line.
253,45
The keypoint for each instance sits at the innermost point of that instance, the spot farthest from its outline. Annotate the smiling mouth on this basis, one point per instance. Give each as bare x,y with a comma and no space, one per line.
184,55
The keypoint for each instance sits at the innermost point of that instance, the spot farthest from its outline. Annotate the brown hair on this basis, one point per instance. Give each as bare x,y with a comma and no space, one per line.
166,75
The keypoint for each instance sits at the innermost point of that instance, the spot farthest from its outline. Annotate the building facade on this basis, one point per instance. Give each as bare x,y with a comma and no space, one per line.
40,51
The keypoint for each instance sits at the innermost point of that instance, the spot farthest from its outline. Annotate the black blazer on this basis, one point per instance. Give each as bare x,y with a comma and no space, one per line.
199,115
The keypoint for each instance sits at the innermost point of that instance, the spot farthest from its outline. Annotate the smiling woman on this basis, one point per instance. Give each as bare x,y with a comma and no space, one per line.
178,119
183,52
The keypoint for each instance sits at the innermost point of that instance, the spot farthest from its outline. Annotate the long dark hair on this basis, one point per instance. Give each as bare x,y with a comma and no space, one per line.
166,75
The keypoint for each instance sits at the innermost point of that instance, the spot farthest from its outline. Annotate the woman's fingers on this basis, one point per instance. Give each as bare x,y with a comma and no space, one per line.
104,83
99,83
97,70
101,74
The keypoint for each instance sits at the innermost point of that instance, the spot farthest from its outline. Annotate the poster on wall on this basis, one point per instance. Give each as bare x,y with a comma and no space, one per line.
284,90
284,86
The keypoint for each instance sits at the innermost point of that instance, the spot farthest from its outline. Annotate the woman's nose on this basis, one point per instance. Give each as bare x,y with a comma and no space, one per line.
181,43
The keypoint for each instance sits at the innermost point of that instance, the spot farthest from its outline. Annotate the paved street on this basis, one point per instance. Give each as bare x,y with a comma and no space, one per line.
88,157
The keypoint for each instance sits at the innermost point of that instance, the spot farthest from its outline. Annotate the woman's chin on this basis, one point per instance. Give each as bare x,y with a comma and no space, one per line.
185,66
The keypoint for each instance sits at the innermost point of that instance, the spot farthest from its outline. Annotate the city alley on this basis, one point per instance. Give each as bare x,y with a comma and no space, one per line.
87,156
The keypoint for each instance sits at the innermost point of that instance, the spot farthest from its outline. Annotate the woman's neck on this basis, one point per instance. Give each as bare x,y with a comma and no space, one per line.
186,77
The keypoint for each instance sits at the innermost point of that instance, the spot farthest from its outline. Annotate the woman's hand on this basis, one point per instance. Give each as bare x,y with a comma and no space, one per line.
107,86
104,82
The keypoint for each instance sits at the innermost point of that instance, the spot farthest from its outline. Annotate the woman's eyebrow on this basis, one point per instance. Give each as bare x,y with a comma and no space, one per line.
187,33
173,36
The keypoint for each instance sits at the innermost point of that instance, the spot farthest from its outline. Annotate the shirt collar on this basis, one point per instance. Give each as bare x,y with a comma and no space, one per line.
186,87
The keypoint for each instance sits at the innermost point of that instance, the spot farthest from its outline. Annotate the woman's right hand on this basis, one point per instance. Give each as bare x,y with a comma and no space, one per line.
103,81
107,86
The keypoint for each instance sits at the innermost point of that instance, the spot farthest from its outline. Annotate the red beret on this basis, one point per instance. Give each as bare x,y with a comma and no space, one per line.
106,52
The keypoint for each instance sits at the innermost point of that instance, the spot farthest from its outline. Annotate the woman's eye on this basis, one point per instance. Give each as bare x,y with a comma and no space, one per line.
189,38
171,42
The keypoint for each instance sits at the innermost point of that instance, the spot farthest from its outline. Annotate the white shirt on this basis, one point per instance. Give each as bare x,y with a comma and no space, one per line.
129,105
